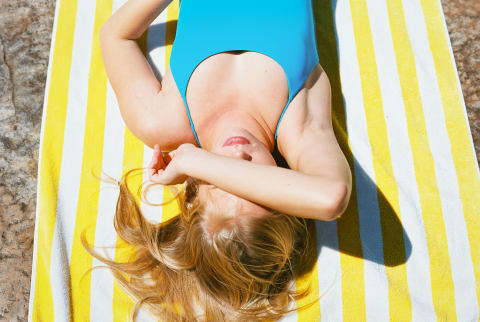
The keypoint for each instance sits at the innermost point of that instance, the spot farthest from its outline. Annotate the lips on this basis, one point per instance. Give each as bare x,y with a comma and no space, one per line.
236,140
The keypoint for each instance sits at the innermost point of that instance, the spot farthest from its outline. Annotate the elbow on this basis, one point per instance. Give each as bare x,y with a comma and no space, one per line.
103,33
106,31
336,204
102,36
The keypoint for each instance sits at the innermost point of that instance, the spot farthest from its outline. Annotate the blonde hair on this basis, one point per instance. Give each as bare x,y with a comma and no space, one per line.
179,268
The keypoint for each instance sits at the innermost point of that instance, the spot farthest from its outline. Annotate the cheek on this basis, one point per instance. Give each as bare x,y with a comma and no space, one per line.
266,157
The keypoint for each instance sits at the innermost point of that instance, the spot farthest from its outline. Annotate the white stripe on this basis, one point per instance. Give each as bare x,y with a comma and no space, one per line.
293,316
71,161
144,316
376,285
42,131
418,266
458,245
101,292
156,58
60,273
156,45
329,271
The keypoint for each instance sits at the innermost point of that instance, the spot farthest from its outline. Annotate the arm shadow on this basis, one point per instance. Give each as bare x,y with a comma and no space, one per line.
159,35
370,230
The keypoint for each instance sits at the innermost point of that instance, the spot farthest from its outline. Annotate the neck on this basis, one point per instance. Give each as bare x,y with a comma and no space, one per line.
230,123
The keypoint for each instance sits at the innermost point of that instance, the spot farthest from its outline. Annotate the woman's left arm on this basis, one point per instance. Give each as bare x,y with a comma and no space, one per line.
316,196
134,17
318,184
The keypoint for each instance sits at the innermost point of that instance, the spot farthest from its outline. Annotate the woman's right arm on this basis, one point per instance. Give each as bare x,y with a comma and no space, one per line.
132,19
137,89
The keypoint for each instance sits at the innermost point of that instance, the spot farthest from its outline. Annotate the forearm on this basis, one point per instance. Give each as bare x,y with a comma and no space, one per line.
132,19
285,190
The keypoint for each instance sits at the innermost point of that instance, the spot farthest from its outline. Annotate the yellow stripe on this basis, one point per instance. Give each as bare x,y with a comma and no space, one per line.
387,190
87,207
443,292
50,163
457,129
351,256
173,10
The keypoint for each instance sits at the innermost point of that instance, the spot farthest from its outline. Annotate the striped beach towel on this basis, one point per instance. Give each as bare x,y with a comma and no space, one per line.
408,246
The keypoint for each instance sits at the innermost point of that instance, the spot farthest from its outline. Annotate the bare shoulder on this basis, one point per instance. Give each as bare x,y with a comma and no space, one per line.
152,110
309,114
307,140
168,122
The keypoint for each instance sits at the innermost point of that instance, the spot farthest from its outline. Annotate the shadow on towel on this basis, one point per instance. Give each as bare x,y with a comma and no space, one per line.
393,247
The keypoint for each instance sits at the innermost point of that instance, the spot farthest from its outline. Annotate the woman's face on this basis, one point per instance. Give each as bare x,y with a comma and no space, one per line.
227,208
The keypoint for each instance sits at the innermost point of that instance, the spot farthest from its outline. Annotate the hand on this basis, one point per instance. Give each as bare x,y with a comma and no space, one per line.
166,168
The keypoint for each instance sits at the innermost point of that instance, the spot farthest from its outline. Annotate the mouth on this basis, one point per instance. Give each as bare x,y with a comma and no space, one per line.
236,140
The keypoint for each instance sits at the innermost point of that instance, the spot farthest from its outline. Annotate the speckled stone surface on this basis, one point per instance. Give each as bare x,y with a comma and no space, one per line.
25,34
463,23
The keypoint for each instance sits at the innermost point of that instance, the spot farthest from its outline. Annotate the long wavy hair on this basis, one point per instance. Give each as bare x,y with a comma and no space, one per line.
182,272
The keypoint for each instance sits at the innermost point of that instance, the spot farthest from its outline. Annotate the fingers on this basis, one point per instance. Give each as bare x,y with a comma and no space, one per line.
157,168
157,155
157,158
167,157
156,162
151,172
156,178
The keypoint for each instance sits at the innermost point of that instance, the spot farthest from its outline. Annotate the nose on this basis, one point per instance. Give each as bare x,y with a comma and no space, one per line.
242,155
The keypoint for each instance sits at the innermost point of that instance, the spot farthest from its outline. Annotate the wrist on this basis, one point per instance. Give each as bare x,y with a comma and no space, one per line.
190,161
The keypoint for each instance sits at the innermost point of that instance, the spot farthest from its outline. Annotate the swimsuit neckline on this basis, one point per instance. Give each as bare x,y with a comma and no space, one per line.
184,93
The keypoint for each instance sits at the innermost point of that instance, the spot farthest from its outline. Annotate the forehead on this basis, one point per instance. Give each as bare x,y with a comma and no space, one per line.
227,203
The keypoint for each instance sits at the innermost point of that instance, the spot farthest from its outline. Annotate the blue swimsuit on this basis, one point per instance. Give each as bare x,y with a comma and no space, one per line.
281,29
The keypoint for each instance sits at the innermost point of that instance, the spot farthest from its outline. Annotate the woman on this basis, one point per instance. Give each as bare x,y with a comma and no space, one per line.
244,76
